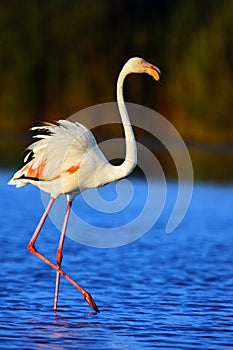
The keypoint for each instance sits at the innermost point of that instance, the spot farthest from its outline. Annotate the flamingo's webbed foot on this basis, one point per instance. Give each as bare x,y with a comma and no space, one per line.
91,302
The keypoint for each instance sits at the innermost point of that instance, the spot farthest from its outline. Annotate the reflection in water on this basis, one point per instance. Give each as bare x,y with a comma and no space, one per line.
65,331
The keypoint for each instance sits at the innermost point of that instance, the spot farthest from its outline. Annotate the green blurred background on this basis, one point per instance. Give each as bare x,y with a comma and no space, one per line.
60,56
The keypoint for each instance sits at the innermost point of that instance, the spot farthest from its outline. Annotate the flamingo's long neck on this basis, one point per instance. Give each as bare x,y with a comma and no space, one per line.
131,151
109,172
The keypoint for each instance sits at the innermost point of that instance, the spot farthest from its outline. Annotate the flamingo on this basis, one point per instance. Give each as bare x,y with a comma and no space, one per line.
67,160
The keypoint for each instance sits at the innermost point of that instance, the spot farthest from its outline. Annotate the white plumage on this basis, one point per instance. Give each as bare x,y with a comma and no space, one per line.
62,159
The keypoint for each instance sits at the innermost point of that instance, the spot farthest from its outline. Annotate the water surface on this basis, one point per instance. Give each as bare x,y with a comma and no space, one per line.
165,291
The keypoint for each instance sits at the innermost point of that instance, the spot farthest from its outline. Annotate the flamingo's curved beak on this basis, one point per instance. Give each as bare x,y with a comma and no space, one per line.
152,70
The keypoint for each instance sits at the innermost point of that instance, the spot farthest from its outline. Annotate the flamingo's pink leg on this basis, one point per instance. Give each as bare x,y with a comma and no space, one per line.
59,255
33,250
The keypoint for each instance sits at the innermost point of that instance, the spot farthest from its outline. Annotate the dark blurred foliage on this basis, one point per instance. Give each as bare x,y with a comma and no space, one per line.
60,56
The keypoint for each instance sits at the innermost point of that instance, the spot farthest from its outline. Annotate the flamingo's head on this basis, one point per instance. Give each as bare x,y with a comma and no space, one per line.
139,65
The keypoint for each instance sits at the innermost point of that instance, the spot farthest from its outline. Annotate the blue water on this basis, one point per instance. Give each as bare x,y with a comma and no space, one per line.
165,291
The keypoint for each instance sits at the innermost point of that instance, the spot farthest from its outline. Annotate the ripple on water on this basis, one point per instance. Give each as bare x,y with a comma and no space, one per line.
163,291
